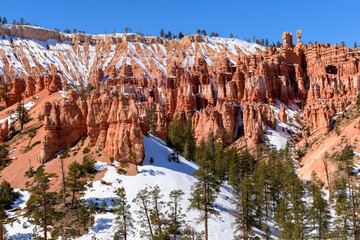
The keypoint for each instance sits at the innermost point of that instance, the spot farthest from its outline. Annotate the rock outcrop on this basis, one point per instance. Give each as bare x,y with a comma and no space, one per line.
65,123
4,130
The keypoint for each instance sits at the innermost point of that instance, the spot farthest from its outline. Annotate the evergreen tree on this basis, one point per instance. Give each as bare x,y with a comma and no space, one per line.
168,35
198,31
162,33
151,113
343,43
181,35
345,159
241,167
4,20
75,180
92,211
41,200
143,199
266,42
355,45
3,216
231,35
84,214
22,114
203,32
206,189
22,21
124,220
157,216
188,140
342,220
278,44
319,213
175,215
103,205
7,195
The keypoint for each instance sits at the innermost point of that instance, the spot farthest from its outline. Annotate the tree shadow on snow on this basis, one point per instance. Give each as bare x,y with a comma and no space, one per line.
102,224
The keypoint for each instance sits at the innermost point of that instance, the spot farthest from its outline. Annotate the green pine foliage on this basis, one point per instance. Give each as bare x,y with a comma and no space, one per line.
123,220
207,186
181,138
41,202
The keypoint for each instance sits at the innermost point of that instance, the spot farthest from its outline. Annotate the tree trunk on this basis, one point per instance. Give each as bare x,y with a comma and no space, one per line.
353,207
45,223
175,218
325,162
243,214
63,181
148,220
1,231
125,230
206,211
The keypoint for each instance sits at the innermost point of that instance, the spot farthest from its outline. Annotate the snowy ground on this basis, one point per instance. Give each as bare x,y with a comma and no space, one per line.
169,176
12,118
279,137
20,228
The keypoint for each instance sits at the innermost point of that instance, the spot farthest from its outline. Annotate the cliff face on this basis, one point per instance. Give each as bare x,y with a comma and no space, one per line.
227,86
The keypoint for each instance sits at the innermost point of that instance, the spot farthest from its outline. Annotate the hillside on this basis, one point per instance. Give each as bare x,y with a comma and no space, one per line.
118,98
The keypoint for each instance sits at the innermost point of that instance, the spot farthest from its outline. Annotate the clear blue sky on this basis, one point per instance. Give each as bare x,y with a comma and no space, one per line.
320,20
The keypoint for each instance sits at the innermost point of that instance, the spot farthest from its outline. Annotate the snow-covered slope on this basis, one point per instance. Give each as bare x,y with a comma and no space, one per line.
78,60
168,176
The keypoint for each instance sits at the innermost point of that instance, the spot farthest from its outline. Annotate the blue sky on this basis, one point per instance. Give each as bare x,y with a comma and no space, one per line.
320,20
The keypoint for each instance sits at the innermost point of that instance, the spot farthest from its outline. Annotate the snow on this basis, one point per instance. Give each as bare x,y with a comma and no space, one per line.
279,137
21,228
11,151
169,176
12,118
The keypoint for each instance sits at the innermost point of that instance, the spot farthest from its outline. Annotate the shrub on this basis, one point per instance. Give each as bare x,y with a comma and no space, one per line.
7,195
121,171
112,160
86,150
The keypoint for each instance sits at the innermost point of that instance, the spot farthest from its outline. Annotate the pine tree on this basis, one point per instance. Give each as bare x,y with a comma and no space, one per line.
241,167
342,210
181,35
319,213
4,20
266,42
143,199
355,45
22,114
151,113
123,220
92,211
3,216
168,35
188,141
162,33
175,215
231,35
206,189
22,21
41,201
203,32
157,216
343,43
75,180
278,44
103,205
84,214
